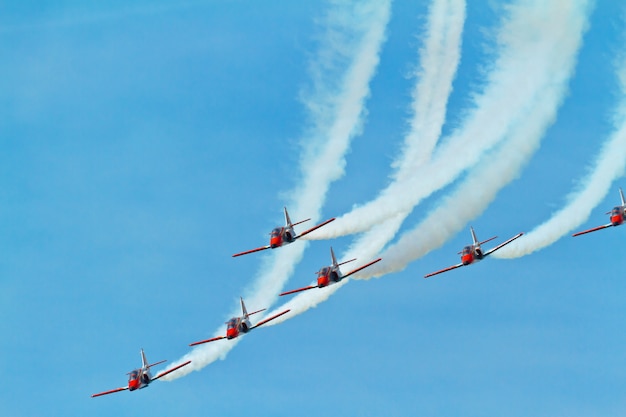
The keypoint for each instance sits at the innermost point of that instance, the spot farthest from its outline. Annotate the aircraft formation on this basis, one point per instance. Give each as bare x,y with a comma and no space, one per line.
328,275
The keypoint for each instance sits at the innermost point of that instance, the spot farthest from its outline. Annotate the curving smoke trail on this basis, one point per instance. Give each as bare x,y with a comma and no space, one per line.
439,58
526,42
610,164
563,28
354,37
503,164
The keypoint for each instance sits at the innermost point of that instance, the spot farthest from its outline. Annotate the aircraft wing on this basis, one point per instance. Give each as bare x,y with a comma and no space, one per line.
361,267
298,290
262,322
450,268
207,341
251,251
492,250
170,370
593,230
306,232
109,392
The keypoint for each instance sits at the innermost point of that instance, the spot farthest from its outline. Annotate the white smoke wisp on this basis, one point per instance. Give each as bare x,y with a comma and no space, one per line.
609,165
356,33
500,166
480,187
439,59
529,58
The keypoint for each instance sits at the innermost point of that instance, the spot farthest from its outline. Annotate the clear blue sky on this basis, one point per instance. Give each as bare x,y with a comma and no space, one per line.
145,142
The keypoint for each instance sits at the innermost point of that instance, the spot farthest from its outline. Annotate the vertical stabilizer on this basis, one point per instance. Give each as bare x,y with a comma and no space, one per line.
621,194
287,219
144,361
332,256
474,236
243,306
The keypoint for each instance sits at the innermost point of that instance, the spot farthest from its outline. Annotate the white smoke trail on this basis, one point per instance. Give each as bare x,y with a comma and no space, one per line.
355,34
480,187
610,164
439,58
527,43
503,164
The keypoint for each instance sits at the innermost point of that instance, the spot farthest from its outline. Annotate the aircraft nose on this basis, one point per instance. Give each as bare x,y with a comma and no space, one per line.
275,242
133,384
231,333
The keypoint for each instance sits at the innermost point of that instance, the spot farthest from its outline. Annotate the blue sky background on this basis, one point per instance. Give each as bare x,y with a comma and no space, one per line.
143,143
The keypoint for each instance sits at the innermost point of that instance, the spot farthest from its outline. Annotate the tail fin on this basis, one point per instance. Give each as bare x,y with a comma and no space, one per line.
621,194
144,361
332,256
287,219
243,306
474,236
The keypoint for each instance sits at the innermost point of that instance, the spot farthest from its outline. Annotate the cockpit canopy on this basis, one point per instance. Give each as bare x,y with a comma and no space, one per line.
133,375
466,250
276,232
232,323
617,211
324,272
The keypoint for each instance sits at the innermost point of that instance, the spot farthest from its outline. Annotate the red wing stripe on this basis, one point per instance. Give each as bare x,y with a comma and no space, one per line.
251,251
443,270
503,244
306,232
207,341
361,267
171,370
109,392
298,290
262,322
592,230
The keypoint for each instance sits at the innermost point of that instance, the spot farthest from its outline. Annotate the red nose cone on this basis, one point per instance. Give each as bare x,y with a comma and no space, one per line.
275,241
467,259
617,220
322,281
231,333
133,384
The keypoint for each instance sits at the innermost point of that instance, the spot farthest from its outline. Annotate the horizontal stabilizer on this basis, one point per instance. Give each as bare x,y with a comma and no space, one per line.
157,363
300,222
258,311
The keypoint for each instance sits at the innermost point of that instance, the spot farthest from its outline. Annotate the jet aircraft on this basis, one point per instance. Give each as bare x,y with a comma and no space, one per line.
474,252
284,235
238,325
331,274
141,378
617,216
